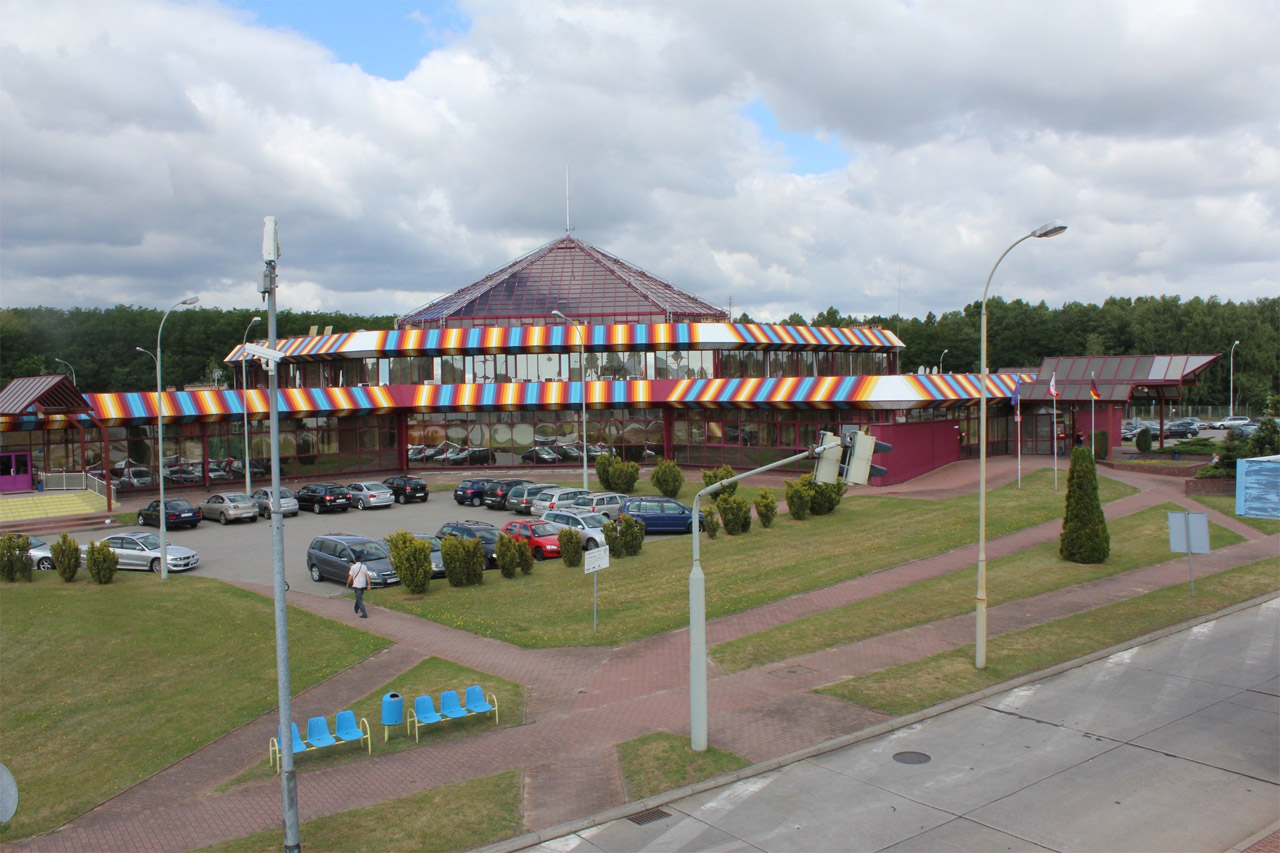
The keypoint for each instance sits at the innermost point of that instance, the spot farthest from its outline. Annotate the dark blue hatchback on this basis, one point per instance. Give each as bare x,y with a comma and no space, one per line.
661,515
179,512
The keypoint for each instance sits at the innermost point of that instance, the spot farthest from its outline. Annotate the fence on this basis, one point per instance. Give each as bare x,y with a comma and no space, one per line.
77,481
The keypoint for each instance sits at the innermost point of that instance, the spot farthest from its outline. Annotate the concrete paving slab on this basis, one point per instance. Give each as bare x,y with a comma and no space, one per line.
1241,652
674,834
1257,699
977,755
1271,686
805,807
1134,799
964,836
1227,736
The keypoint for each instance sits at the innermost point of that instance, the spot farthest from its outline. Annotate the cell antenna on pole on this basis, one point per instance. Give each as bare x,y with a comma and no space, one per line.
567,229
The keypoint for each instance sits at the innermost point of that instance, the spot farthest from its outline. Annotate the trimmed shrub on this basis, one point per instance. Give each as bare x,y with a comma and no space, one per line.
631,532
570,547
711,521
411,558
798,499
1142,441
766,507
623,476
1266,440
455,561
823,497
667,478
66,557
524,557
613,539
508,556
1101,444
604,465
15,562
724,472
736,513
475,561
1084,528
101,562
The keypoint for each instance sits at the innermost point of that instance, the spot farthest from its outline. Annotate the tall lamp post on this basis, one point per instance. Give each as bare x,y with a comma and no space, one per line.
244,397
73,370
1230,388
941,357
164,527
582,368
1049,229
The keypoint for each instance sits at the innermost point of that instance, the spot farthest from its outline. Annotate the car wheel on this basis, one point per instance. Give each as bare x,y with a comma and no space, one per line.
254,519
400,499
155,564
222,518
360,504
589,545
141,520
315,508
538,555
315,573
266,513
475,501
44,564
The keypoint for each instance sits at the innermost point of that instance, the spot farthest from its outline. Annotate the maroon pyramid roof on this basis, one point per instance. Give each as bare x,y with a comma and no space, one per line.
1118,378
50,395
570,276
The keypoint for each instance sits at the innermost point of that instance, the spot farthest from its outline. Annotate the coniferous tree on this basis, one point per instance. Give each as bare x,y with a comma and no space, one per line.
1084,527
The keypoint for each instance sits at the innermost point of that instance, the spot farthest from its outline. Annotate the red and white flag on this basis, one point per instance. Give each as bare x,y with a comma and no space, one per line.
1053,385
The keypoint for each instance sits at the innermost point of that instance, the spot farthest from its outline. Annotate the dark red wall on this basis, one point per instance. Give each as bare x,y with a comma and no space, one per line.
917,449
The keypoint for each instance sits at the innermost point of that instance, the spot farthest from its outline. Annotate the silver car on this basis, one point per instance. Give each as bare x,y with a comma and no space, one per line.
288,503
140,552
590,525
366,494
556,498
227,507
607,504
40,554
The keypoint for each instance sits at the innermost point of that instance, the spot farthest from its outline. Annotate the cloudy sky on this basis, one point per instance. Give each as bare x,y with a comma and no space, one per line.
782,156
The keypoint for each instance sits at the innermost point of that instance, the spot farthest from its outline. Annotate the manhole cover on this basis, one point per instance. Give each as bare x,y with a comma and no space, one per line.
790,671
912,757
648,817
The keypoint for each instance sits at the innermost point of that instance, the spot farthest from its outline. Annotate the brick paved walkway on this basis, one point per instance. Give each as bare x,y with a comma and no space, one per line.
582,701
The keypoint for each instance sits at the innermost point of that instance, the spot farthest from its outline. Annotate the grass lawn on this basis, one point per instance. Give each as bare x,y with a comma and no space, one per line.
477,812
662,762
648,594
1226,504
430,677
105,685
922,684
1136,540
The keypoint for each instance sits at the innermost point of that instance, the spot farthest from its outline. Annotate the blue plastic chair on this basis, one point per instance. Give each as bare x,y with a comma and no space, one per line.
273,747
318,733
422,714
347,730
449,705
476,703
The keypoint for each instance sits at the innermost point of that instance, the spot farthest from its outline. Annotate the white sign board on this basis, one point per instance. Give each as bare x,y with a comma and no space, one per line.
595,559
1192,526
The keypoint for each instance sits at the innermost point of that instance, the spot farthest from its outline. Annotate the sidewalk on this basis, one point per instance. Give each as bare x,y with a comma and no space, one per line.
582,701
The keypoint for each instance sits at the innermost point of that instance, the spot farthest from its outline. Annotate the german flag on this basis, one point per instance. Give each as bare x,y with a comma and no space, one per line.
1093,390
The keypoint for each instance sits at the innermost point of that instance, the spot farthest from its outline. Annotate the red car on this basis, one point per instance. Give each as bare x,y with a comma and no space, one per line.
543,539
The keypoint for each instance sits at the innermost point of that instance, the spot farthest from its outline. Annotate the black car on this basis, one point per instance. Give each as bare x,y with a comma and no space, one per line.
323,497
1181,429
330,557
471,491
179,512
407,488
482,530
496,492
540,455
567,452
423,454
472,456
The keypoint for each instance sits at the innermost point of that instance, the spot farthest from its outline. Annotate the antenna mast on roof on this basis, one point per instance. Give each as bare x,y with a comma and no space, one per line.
567,229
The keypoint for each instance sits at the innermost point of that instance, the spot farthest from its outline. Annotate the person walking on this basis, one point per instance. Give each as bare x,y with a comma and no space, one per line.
358,579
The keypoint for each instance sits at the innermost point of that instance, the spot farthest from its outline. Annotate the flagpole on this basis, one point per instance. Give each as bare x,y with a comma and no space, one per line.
1017,424
1053,385
1093,425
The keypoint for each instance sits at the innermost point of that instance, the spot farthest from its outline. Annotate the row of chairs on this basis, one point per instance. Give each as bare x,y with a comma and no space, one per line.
345,730
424,712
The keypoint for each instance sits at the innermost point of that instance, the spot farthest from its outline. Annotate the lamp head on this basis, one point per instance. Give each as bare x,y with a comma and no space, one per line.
560,314
255,320
1050,229
191,300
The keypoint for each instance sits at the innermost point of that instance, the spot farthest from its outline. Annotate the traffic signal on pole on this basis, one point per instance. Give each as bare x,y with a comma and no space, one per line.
827,468
862,446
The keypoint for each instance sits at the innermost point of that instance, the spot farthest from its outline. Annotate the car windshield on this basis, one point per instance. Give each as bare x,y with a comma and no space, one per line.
150,541
239,498
370,551
542,529
594,519
284,493
177,503
414,481
488,536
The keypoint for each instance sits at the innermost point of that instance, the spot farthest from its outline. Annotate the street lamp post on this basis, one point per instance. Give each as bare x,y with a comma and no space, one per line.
73,370
164,527
1049,229
244,398
582,368
1230,388
941,357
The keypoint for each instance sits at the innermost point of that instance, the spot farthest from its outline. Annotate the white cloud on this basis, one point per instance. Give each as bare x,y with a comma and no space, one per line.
143,141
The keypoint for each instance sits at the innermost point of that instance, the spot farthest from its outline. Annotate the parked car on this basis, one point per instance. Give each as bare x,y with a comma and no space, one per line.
471,491
567,452
370,494
288,503
540,455
662,515
521,499
607,504
40,553
590,525
1182,428
407,488
423,454
1245,430
482,530
323,497
541,536
185,474
496,492
137,478
140,552
1230,421
179,512
229,506
472,456
1130,431
331,556
437,557
556,497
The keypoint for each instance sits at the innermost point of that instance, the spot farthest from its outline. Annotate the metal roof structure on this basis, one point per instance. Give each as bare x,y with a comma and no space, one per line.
42,396
1118,378
566,275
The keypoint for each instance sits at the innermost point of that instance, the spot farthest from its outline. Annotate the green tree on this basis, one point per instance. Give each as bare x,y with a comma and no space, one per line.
1084,527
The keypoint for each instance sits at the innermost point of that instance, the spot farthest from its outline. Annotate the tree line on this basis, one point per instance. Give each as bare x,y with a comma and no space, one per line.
100,344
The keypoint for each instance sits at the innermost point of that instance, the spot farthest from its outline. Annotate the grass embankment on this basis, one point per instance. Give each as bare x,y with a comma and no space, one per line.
463,816
105,685
1137,540
1226,504
648,594
430,677
662,762
922,684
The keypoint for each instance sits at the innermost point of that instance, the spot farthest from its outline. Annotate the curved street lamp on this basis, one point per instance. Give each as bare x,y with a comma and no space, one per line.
941,357
244,399
582,368
1049,229
1231,388
73,370
164,527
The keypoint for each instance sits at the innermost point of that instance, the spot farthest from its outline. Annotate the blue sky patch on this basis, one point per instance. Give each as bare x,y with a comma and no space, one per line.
809,154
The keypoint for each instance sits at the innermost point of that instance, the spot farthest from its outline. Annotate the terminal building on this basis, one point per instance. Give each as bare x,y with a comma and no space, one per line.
492,376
